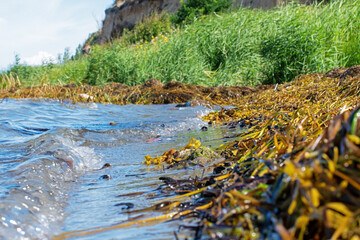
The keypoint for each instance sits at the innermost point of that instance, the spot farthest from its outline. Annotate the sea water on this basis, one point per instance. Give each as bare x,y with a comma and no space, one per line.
51,158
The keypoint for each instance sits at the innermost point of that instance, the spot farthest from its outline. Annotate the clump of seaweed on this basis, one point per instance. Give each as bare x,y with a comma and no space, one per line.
192,154
293,174
305,150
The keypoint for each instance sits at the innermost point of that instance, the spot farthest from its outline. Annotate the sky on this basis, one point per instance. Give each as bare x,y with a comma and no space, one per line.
39,30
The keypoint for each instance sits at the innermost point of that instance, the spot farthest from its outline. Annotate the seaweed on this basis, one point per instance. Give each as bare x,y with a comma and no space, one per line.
151,92
293,174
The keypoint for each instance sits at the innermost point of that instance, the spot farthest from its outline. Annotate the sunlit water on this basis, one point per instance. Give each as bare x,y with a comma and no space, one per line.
51,155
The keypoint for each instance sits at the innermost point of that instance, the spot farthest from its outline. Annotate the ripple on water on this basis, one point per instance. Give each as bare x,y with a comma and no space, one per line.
36,186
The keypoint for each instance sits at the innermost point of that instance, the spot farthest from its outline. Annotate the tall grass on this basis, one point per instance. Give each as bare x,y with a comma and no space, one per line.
9,80
243,47
146,29
50,74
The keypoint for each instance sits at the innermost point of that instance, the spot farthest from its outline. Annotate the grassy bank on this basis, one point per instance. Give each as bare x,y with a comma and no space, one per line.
243,47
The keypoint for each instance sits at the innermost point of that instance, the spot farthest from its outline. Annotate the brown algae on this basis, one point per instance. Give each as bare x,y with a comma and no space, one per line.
151,92
293,174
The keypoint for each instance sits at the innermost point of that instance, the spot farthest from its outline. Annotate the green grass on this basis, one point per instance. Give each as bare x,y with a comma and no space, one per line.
242,47
51,74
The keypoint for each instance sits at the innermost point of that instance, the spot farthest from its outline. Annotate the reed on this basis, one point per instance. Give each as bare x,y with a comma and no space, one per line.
9,80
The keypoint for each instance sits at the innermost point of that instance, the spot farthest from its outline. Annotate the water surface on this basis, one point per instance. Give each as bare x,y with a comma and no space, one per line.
51,155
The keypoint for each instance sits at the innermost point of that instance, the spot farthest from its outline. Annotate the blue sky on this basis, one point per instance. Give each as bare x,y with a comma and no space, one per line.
35,29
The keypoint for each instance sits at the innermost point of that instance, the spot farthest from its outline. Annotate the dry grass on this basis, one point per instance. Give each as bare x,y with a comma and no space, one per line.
10,80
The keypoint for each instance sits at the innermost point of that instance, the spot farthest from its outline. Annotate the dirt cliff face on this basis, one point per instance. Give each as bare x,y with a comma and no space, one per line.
125,14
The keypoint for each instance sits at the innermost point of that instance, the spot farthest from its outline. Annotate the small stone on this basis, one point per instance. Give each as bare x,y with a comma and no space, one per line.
204,128
105,177
126,205
106,165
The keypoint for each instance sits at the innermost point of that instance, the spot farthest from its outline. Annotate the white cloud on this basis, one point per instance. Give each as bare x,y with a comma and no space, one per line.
40,58
2,20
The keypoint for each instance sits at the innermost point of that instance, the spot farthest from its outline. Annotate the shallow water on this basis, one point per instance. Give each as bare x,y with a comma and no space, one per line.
51,155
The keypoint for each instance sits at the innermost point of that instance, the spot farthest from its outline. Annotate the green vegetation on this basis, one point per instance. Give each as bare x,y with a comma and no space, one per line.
192,9
147,29
242,47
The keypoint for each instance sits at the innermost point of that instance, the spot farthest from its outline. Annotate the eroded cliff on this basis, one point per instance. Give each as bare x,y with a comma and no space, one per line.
125,14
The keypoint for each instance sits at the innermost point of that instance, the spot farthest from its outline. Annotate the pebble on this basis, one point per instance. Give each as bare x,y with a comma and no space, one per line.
105,177
204,128
106,165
